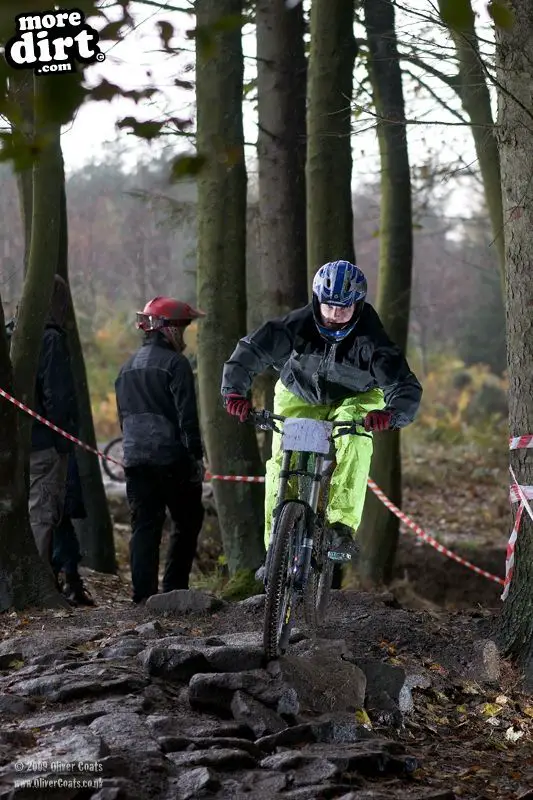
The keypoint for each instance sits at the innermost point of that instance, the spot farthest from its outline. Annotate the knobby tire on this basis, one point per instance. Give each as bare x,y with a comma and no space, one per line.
113,471
279,592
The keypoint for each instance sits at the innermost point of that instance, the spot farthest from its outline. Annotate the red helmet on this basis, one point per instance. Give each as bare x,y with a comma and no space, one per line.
165,312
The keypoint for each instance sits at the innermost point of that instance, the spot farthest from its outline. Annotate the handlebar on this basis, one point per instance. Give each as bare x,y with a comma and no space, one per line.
266,420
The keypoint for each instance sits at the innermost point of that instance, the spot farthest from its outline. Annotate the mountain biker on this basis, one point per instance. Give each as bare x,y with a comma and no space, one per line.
163,454
335,362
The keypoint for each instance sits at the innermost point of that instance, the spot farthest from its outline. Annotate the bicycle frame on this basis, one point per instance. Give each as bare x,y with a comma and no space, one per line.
315,438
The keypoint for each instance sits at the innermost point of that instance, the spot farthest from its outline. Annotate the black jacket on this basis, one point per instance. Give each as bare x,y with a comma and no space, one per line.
156,403
55,393
322,373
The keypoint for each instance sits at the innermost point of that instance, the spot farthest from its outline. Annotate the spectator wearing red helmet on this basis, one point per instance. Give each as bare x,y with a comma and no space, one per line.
163,454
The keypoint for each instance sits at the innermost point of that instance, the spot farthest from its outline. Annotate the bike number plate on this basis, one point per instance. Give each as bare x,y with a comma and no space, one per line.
307,435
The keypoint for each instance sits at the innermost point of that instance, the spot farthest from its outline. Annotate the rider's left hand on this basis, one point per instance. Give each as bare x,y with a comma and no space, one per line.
378,421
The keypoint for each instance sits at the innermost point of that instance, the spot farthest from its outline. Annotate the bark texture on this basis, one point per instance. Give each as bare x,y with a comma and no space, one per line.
379,528
231,448
514,48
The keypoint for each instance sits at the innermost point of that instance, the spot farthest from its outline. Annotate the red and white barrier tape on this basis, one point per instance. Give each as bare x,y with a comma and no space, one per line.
235,478
400,514
260,479
63,433
427,538
518,494
520,442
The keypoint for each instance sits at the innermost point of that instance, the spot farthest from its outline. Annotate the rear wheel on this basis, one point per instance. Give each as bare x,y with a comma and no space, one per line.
281,593
114,450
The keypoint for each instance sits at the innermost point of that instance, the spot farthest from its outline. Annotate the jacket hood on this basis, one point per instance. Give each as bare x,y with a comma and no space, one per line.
58,303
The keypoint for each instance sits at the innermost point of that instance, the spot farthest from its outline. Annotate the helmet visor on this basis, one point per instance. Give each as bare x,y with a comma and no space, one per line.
148,322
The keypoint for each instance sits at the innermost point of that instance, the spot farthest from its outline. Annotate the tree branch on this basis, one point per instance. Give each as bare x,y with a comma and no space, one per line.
450,80
436,97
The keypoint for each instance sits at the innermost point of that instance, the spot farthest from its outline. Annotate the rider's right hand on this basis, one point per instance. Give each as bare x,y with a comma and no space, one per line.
238,406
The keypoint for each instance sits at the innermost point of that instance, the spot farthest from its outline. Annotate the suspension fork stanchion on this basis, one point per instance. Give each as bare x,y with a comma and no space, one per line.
304,559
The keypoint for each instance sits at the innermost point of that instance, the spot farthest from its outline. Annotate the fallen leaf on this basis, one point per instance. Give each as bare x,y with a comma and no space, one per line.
502,700
513,735
363,719
490,709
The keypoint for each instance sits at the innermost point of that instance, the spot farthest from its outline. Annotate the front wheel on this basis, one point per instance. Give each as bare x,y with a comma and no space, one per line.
280,592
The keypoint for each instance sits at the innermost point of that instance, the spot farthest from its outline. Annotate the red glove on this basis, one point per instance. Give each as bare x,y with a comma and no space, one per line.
377,421
238,406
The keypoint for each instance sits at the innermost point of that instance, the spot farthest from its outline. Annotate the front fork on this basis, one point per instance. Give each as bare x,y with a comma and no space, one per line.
301,570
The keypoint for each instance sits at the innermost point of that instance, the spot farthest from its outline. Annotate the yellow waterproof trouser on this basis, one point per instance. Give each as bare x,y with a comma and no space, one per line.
353,455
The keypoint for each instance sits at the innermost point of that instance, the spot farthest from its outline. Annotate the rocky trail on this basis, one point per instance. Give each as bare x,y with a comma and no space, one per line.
174,701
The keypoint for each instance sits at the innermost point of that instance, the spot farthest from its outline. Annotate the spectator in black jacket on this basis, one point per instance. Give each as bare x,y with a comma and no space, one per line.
66,549
163,455
55,400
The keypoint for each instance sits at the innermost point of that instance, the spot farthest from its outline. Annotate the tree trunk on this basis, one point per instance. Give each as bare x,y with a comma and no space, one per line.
281,93
514,53
281,151
42,261
379,529
25,580
329,149
471,86
96,530
232,448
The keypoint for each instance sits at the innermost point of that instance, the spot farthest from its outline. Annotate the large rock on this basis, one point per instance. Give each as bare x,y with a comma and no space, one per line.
308,769
125,734
178,663
86,681
192,783
214,692
219,759
370,758
164,725
261,719
324,678
127,647
184,601
233,658
68,745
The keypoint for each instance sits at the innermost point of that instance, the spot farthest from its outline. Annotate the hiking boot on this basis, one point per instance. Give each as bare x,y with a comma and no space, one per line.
343,547
76,593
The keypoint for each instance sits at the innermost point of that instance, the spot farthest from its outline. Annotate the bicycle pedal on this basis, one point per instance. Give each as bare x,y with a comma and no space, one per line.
335,555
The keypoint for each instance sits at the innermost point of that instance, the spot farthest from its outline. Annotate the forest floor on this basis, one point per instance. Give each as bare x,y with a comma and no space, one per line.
470,729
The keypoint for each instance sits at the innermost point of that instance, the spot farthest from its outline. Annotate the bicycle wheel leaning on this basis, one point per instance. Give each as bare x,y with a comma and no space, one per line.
113,449
280,592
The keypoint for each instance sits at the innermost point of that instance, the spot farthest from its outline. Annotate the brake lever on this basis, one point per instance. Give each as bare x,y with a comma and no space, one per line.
344,431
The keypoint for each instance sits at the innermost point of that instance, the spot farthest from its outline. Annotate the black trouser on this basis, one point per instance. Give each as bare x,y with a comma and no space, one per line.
66,555
151,489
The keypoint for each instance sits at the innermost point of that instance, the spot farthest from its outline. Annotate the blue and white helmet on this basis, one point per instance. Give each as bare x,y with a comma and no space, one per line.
338,283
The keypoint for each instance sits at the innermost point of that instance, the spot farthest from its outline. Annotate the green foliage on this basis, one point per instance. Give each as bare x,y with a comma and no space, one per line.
112,344
461,404
242,585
